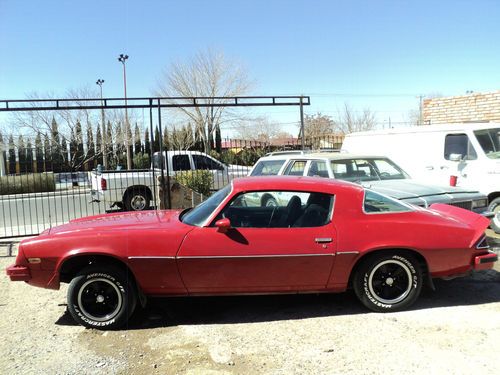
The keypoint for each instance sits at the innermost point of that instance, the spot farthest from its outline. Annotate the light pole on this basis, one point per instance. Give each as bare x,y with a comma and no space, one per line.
99,82
123,58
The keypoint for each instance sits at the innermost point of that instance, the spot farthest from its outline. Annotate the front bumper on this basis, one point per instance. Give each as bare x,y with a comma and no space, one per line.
485,261
18,273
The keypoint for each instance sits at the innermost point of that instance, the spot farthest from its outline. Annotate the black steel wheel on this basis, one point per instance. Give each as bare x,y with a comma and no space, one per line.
388,282
101,297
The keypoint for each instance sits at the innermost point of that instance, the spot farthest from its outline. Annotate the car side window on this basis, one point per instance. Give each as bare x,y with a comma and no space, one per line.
181,163
202,162
318,168
296,168
278,209
378,203
459,144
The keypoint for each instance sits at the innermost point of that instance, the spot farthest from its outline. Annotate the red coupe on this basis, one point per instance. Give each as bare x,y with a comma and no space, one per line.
323,236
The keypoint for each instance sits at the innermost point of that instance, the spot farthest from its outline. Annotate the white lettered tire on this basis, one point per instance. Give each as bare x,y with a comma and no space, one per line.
388,281
101,297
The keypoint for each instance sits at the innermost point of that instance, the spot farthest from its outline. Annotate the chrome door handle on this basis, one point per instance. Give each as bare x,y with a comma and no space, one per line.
323,240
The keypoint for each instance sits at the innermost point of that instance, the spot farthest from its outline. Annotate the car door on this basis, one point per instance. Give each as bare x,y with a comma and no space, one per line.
262,252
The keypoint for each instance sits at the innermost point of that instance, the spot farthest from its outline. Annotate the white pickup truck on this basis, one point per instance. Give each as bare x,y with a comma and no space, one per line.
134,190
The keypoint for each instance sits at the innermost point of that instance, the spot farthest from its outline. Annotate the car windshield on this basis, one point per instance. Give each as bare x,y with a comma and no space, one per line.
198,215
367,169
489,139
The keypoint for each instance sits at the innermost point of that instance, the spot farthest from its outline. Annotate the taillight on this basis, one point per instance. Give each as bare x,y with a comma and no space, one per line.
104,184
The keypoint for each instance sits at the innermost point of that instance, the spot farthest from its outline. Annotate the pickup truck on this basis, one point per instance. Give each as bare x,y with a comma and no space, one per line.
134,190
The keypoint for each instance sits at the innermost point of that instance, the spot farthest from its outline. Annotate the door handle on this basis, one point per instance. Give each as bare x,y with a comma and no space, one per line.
323,240
429,167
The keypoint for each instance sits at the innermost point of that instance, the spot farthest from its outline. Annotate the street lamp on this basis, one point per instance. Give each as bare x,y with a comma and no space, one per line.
123,58
99,82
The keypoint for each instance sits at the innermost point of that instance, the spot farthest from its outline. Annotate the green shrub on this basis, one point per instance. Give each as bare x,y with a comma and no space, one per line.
141,161
199,180
28,183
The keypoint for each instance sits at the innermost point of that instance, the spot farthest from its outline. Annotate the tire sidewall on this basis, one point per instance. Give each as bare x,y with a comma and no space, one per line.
495,222
119,280
362,287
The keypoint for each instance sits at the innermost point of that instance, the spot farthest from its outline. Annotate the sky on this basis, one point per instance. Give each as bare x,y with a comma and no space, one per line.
380,55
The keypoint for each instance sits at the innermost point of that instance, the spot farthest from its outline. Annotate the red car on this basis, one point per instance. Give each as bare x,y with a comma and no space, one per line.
324,236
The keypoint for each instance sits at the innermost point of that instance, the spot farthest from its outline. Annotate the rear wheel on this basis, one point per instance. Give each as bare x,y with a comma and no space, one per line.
101,297
495,208
137,200
388,282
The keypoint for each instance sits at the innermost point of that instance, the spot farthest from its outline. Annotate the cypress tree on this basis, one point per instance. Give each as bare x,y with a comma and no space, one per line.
90,148
156,140
47,155
39,153
29,156
147,143
98,143
12,155
21,150
110,142
137,140
2,148
63,166
79,155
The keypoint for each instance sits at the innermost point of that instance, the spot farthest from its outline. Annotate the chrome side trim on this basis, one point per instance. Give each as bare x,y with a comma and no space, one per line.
150,257
347,252
254,256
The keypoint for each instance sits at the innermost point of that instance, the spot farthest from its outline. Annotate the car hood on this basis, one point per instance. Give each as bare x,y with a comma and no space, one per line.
406,189
121,221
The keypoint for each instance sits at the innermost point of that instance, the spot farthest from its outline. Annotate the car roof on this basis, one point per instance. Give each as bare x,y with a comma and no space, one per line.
323,156
299,183
457,127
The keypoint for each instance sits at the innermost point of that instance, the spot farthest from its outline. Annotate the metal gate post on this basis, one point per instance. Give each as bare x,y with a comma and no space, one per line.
151,150
160,141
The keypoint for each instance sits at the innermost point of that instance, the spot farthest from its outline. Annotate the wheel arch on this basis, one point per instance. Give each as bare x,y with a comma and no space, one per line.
415,253
132,188
493,196
71,266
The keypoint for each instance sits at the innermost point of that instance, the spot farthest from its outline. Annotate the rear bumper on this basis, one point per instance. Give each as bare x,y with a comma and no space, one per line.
95,196
18,273
485,262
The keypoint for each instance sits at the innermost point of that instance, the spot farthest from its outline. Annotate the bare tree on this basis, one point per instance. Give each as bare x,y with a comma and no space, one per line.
258,129
209,74
349,121
318,125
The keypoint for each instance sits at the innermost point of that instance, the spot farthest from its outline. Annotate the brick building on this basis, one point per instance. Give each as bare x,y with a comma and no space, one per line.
474,107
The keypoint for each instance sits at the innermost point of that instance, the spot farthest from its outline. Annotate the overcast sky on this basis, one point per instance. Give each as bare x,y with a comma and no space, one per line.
371,54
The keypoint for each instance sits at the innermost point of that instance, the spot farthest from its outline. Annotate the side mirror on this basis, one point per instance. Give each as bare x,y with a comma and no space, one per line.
223,225
455,157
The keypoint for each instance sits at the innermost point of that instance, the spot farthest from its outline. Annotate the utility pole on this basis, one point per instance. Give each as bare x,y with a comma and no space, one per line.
103,137
123,58
302,132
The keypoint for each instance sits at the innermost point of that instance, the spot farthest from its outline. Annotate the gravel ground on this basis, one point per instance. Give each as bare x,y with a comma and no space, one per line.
455,330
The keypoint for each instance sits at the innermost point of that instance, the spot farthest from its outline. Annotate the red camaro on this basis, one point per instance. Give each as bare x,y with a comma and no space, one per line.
321,236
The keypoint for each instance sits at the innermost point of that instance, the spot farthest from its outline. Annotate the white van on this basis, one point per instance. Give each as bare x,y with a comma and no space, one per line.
467,155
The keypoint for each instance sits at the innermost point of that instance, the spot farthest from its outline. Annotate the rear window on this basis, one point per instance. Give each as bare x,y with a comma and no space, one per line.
378,203
267,167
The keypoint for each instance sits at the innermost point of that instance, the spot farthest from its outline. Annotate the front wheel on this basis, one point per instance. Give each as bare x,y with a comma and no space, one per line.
388,282
495,208
101,297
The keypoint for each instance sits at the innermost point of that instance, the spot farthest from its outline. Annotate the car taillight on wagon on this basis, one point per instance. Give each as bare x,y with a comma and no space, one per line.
104,184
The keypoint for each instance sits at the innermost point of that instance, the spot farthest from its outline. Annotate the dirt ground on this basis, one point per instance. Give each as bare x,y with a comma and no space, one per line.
454,330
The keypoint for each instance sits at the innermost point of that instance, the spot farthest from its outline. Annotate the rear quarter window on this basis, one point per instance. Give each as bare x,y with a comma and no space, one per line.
378,203
267,167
